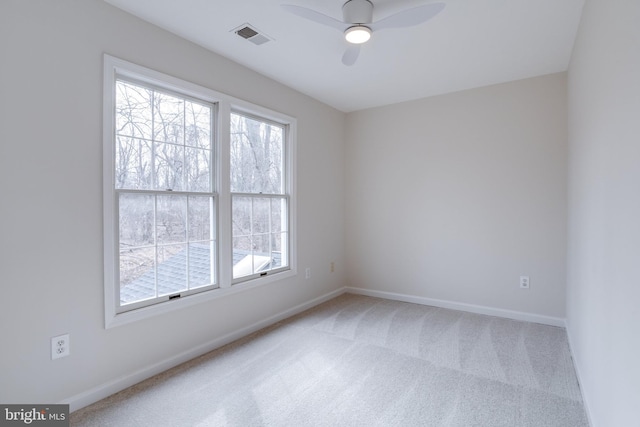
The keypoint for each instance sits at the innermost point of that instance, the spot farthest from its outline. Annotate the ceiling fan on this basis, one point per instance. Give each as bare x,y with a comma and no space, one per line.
357,25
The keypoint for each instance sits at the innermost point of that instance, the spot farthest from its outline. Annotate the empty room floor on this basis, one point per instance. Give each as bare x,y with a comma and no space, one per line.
363,361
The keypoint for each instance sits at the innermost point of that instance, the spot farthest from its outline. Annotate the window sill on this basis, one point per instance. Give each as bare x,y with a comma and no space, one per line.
114,320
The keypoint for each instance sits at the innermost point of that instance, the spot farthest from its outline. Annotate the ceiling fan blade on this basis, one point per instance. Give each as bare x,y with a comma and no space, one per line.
314,16
409,17
351,55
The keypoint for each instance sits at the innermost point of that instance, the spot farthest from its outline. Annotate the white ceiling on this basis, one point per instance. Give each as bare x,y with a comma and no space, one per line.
472,43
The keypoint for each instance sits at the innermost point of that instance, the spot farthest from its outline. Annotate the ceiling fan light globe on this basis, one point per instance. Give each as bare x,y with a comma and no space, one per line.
357,34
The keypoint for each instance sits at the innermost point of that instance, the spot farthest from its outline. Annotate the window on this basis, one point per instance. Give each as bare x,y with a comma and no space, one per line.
198,193
259,197
164,194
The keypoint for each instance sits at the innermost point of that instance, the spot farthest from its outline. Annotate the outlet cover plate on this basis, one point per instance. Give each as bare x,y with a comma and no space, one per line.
60,346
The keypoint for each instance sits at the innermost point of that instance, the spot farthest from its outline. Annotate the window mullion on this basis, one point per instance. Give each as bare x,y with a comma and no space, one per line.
223,176
251,237
155,243
187,240
185,184
186,187
116,247
270,235
153,140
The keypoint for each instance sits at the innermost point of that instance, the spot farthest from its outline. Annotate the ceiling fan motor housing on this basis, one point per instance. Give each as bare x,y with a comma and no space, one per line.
357,12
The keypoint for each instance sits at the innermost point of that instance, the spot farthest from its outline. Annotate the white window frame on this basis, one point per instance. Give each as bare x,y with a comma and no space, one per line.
283,195
114,68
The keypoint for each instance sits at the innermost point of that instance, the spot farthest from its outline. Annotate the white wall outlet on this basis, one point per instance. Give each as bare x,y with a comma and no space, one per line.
332,266
524,282
307,273
60,346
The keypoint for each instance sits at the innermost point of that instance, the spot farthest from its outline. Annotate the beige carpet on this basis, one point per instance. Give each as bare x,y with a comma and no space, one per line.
362,361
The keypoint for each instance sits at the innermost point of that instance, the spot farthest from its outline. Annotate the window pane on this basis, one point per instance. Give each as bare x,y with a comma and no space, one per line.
251,255
168,125
169,166
256,156
278,215
133,111
198,169
200,218
261,215
133,163
137,274
259,234
171,226
261,248
278,250
172,269
201,263
198,125
241,216
137,262
136,220
242,257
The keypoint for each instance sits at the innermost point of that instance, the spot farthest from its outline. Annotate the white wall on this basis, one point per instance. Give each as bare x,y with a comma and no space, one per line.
51,210
603,302
454,197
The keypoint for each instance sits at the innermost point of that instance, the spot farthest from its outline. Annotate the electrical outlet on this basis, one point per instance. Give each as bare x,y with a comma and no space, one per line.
307,273
524,282
60,346
332,266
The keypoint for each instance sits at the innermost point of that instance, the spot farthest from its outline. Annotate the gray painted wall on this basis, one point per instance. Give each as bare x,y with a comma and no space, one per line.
455,197
51,211
603,303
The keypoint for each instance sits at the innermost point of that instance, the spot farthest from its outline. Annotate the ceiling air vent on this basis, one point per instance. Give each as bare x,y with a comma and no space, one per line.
251,33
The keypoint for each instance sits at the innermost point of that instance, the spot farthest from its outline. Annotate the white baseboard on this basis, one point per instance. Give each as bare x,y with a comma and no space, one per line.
576,365
472,308
104,390
107,389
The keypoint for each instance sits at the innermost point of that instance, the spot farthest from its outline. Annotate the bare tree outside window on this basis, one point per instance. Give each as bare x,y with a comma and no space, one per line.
259,202
176,230
163,179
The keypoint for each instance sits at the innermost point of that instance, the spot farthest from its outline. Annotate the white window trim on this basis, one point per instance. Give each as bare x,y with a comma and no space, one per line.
116,67
288,183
